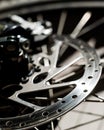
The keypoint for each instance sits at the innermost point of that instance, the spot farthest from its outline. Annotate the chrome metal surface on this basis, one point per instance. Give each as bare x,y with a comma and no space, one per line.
82,86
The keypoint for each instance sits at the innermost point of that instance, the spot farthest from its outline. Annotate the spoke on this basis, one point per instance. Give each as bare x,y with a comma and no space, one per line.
59,85
36,128
81,24
69,72
92,42
62,22
99,97
51,95
93,101
39,98
45,60
63,77
63,68
52,126
77,29
91,27
100,126
63,92
72,57
79,117
98,100
86,123
47,86
88,113
56,95
60,29
55,55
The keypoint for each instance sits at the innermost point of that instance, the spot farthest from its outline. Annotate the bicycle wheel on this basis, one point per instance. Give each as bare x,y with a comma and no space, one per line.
49,66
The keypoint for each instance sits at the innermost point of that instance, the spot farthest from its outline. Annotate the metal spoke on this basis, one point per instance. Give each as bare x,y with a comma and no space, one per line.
36,128
52,126
62,21
61,25
99,97
61,69
88,113
60,85
55,55
63,77
85,18
91,27
81,24
94,101
86,123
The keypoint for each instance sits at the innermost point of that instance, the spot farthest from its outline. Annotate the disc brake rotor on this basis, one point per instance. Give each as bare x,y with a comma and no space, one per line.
54,83
40,80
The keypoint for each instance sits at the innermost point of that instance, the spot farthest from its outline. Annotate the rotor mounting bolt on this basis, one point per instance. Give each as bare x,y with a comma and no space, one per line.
24,79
